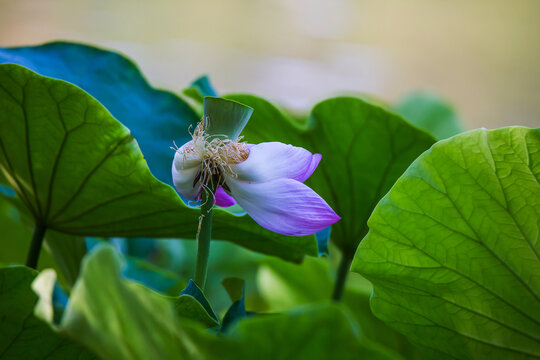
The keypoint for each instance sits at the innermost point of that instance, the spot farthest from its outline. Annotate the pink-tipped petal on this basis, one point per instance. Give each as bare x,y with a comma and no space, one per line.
284,206
274,160
221,198
184,172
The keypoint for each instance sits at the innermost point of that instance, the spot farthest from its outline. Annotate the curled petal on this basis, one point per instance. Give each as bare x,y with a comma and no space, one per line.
221,198
284,206
315,160
184,173
274,160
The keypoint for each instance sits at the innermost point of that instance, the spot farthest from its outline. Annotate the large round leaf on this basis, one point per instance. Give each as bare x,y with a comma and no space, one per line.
453,249
155,117
364,148
79,171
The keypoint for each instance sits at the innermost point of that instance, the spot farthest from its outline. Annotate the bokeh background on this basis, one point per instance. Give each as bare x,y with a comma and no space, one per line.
483,56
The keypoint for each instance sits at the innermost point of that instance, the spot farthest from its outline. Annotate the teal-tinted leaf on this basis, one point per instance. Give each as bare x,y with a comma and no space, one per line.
225,117
22,335
204,86
317,332
453,248
88,177
364,150
200,88
236,288
323,237
430,113
155,117
153,277
193,290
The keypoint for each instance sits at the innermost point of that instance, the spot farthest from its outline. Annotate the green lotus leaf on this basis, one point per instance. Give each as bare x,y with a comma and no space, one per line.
87,176
429,112
364,150
453,249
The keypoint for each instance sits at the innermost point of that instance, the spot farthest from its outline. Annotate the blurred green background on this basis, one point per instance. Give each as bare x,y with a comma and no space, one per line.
483,55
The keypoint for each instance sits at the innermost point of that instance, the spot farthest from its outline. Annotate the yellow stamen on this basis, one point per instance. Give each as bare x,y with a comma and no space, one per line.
216,152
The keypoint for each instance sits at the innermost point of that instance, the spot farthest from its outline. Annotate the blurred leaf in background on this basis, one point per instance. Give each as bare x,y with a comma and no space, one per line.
23,335
285,286
430,113
364,150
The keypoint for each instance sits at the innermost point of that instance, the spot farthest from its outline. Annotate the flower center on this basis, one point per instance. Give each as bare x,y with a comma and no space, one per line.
217,155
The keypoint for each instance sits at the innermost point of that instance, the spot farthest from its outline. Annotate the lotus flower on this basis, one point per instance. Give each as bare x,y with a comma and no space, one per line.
265,179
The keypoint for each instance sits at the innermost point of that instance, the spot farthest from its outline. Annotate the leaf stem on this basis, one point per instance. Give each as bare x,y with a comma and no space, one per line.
204,234
341,277
35,246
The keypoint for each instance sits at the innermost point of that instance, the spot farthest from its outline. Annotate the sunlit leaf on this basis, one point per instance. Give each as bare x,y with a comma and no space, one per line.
453,248
88,177
119,319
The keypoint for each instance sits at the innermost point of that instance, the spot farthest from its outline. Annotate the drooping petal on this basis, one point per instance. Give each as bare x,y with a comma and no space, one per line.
184,171
221,198
274,160
284,206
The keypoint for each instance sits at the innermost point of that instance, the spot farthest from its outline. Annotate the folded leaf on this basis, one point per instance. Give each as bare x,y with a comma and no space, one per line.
236,288
119,319
22,335
193,298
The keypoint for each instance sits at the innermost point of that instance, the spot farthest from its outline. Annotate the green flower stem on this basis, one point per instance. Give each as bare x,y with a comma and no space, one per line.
35,246
341,278
204,235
